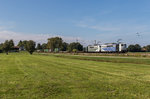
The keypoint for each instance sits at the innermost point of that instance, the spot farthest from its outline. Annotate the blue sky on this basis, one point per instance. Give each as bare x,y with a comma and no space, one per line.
85,20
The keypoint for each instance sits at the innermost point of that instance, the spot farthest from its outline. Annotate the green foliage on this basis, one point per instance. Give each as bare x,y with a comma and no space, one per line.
7,46
44,46
147,48
11,43
64,46
54,42
20,43
74,50
134,48
24,42
56,50
75,45
1,46
30,46
39,46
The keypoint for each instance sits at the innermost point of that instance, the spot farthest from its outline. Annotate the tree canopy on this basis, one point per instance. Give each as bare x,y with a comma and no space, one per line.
44,46
64,46
75,45
39,46
8,45
134,48
147,48
1,46
54,42
30,46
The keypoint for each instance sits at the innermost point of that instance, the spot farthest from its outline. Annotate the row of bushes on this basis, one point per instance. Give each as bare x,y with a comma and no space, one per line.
138,48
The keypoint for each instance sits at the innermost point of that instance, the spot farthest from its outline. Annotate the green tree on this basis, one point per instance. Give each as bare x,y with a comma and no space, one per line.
30,46
64,46
39,46
74,50
147,48
11,43
131,48
20,43
75,45
134,48
138,48
44,46
1,47
7,46
54,42
24,42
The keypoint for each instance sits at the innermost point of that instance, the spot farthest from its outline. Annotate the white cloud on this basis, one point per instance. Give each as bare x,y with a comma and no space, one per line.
39,38
6,33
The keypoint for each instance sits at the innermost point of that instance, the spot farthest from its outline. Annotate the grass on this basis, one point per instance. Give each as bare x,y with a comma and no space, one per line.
127,54
73,77
114,59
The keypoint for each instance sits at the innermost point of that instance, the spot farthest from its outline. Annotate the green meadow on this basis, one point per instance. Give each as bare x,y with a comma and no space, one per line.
56,76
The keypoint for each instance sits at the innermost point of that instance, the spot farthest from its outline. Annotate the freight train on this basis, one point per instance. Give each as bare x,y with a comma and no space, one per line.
108,47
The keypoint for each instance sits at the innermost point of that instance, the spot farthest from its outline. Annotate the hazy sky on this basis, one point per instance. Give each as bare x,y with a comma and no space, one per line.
85,20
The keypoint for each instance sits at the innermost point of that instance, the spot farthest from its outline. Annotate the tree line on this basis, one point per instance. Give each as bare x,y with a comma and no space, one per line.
56,44
138,48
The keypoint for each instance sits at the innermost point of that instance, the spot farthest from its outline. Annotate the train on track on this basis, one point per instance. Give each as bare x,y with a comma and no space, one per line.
107,47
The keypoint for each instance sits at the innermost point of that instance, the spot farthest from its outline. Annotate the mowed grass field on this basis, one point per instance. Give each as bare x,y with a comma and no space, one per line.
37,76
